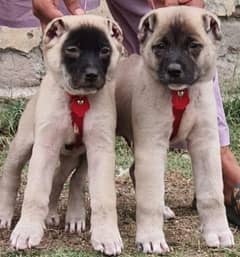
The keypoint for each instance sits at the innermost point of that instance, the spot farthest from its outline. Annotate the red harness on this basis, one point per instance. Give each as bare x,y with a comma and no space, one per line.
79,105
180,101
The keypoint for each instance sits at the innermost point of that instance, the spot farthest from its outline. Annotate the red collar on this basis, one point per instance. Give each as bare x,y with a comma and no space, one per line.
79,105
180,100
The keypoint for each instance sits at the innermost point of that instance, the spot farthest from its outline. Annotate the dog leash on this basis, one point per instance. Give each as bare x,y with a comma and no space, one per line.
79,105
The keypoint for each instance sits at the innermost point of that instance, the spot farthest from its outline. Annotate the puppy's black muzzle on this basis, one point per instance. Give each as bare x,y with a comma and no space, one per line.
175,71
177,74
91,78
91,75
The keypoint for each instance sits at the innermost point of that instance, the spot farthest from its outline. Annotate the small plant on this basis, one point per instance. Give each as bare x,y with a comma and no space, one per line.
124,156
10,113
232,111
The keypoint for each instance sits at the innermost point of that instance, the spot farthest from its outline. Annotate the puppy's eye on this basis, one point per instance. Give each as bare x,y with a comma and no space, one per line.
72,51
160,47
105,51
195,45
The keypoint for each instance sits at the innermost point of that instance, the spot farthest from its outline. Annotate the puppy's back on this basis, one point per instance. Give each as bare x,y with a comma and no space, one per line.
126,80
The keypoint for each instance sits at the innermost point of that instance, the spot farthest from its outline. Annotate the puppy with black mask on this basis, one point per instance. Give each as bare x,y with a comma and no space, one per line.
72,115
166,97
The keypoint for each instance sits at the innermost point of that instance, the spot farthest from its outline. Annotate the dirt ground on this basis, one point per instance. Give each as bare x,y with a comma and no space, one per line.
179,196
182,233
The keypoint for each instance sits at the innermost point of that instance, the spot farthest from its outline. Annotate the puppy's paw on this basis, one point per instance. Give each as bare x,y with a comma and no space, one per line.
152,242
168,213
26,235
221,238
75,221
77,225
106,239
5,219
6,213
53,218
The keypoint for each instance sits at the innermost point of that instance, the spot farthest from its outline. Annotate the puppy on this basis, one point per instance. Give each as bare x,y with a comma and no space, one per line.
166,96
81,53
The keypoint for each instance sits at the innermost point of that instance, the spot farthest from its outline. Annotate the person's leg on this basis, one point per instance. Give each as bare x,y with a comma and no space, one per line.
231,169
128,14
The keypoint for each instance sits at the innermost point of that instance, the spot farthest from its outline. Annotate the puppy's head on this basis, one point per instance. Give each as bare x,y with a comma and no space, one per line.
178,45
81,51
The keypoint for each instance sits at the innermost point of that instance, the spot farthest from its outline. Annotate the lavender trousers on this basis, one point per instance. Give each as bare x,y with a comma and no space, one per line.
18,13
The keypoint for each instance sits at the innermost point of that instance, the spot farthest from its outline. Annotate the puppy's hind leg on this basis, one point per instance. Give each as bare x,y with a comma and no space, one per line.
68,164
19,153
43,163
168,213
76,213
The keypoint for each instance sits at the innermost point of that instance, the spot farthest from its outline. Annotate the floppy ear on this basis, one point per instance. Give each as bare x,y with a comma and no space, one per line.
146,26
212,26
115,30
54,31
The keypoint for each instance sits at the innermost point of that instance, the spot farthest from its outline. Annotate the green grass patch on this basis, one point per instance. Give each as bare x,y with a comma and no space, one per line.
10,114
232,111
124,155
179,161
53,253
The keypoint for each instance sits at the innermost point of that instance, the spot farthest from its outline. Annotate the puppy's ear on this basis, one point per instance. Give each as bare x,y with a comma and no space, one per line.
146,26
54,31
115,30
212,26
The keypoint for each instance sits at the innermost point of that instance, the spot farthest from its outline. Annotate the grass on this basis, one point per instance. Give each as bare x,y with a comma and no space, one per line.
181,233
55,253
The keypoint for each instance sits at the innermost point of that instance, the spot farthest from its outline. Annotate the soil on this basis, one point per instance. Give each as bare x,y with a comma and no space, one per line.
179,195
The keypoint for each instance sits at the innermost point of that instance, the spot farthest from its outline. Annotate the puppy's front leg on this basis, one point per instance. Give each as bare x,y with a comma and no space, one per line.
151,129
100,145
205,154
149,172
45,156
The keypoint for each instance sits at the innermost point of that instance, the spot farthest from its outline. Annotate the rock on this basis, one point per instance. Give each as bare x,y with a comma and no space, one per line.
21,68
229,54
221,7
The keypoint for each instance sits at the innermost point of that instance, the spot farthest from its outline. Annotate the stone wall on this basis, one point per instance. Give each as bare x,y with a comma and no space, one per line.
21,64
224,7
21,67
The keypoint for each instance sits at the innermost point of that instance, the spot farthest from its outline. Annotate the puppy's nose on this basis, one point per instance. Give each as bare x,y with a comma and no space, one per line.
91,75
174,70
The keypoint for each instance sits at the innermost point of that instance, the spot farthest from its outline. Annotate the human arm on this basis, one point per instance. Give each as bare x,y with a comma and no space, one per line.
49,9
163,3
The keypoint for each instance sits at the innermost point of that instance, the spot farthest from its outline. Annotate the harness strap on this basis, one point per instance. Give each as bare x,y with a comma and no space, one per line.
180,100
79,105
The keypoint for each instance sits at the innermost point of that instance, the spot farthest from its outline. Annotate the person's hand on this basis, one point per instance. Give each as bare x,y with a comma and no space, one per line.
163,3
46,10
